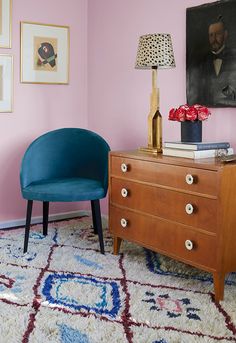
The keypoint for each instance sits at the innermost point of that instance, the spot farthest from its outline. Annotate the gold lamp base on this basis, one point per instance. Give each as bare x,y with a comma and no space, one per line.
154,121
150,150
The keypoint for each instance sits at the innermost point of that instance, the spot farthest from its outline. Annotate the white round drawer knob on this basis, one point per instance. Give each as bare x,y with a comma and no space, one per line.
124,167
124,192
188,244
189,179
123,222
189,208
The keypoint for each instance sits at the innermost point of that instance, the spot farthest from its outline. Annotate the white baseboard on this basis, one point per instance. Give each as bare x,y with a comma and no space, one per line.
53,217
36,220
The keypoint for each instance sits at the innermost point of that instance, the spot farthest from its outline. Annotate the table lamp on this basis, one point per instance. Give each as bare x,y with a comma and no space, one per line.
154,52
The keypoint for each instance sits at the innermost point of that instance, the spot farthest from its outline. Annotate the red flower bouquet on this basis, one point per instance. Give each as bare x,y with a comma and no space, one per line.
186,112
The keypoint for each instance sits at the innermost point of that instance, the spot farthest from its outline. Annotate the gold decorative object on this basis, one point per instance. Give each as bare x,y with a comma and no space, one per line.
154,52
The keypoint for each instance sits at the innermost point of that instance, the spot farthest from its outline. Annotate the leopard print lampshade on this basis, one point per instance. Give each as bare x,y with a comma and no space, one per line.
155,51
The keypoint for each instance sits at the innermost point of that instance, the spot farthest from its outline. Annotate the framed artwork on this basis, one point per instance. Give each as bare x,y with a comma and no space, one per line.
44,53
5,23
211,54
6,83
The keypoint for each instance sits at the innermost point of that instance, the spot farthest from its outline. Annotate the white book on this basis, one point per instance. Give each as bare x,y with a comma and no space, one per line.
195,154
197,145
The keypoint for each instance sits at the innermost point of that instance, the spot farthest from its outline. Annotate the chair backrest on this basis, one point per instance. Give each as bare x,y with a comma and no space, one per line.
67,152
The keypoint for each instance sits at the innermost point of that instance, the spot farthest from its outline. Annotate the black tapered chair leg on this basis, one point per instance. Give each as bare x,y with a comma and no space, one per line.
45,217
97,220
27,224
93,217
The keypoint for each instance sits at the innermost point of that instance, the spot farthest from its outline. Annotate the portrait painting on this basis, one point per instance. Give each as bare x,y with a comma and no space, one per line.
211,54
5,23
44,53
6,83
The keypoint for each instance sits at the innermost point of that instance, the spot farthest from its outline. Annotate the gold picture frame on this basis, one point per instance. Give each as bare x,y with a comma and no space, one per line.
6,83
44,53
5,23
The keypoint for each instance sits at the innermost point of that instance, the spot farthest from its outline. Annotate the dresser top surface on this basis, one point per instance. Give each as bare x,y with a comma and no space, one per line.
203,163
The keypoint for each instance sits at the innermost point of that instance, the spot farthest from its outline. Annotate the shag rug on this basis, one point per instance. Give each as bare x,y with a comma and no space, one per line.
64,290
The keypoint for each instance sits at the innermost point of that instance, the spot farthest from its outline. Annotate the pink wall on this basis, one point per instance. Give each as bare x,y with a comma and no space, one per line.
118,93
40,108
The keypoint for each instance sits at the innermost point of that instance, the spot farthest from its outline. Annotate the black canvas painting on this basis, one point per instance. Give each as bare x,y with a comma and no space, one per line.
211,54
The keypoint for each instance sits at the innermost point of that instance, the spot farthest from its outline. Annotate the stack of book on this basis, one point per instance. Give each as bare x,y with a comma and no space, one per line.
197,150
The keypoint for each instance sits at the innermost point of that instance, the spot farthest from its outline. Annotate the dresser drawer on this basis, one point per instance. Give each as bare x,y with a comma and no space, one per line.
184,178
164,237
176,206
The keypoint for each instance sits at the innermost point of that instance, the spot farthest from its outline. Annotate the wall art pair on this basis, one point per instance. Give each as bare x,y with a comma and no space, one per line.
44,54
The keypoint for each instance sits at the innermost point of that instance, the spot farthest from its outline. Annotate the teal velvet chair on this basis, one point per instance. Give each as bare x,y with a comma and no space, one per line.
69,164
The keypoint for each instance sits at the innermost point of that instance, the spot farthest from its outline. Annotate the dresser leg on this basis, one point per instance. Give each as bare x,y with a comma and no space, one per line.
116,247
219,285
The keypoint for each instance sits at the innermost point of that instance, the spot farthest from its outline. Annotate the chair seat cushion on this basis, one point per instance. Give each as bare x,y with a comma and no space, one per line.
64,189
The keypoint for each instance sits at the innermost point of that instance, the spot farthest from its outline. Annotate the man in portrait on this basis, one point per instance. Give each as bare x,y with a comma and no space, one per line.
211,77
218,69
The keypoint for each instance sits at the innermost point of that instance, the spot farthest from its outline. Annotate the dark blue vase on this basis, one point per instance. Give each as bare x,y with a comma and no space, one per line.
191,131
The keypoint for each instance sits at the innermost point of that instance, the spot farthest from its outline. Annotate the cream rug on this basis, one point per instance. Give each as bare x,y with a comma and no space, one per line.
64,290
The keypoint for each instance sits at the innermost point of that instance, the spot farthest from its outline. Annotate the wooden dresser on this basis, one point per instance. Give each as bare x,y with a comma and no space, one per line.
182,208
